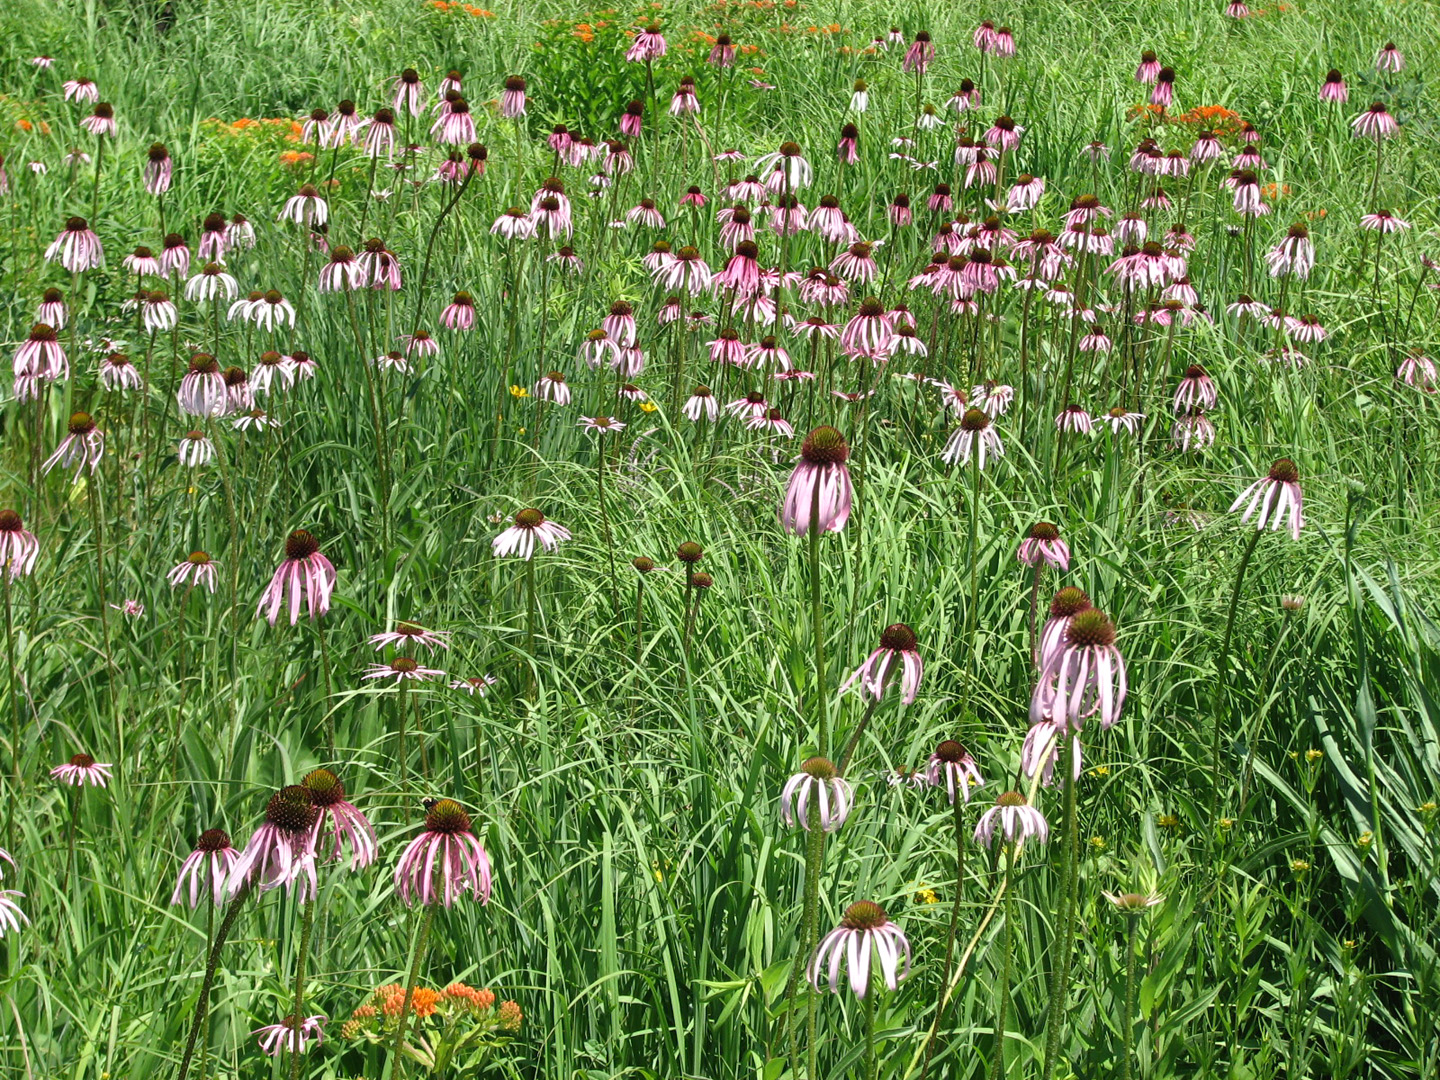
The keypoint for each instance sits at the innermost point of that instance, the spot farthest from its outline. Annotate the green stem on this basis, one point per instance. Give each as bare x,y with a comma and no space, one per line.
997,1065
422,939
859,731
1065,936
307,924
1222,682
959,812
1128,1028
871,1067
815,623
211,963
814,853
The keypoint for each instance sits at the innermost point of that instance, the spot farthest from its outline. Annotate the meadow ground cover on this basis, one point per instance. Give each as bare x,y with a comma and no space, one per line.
744,540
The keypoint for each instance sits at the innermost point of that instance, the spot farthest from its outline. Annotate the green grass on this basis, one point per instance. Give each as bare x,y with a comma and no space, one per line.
647,897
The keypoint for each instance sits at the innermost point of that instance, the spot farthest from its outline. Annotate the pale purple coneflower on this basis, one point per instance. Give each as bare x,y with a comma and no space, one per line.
141,261
211,283
701,402
82,769
475,685
868,333
920,53
270,368
455,126
239,233
727,348
304,574
856,263
197,570
10,914
84,444
77,248
283,1036
952,768
202,389
379,133
1148,68
409,92
975,435
600,424
751,405
1083,674
101,120
632,120
1333,89
768,354
1306,329
303,364
206,869
647,45
39,358
788,169
771,422
343,272
1120,419
859,96
530,526
897,645
1192,432
1064,606
553,388
684,101
619,323
1004,45
1384,222
1014,819
819,483
722,53
514,224
693,197
788,217
1074,419
1163,93
1039,751
1095,340
1246,305
687,271
1376,122
402,669
80,89
174,256
1275,499
899,213
379,265
408,635
52,310
445,861
459,314
18,546
645,213
1195,391
1389,60
345,823
817,780
195,449
815,326
158,312
827,220
1418,371
940,201
864,930
1043,546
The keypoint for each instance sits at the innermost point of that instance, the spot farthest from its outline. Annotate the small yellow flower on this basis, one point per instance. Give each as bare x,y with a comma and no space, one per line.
648,406
1100,770
1299,866
1227,823
926,895
1294,755
1365,839
1349,943
1427,808
1097,843
1313,755
519,392
1168,821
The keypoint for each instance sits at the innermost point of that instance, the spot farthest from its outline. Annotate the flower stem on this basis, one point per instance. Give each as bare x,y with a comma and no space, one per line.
997,1065
814,853
1128,1027
16,720
307,924
325,673
421,940
855,738
1065,936
1222,682
211,963
530,625
823,720
1034,602
871,1068
959,810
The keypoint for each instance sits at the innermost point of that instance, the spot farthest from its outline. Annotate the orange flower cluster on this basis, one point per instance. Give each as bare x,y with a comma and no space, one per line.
1274,192
296,159
422,1001
1215,117
470,997
469,9
271,125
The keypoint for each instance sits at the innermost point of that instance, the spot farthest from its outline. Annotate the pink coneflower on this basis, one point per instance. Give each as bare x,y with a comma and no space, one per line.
283,1036
117,373
952,767
1389,60
1245,186
174,256
815,326
402,669
77,248
211,283
1085,210
789,171
513,224
239,233
1383,221
206,869
1192,432
346,825
1004,45
1375,123
1333,89
897,645
1043,546
1095,340
1074,418
982,170
1025,193
158,169
141,261
974,435
920,53
409,92
701,402
39,359
304,574
455,126
202,388
693,197
306,207
847,148
1246,305
632,120
722,54
645,213
992,398
818,497
446,850
475,685
819,780
1306,329
157,312
1236,9
940,200
408,636
869,332
1196,390
1039,748
520,538
82,769
1083,675
379,137
1148,69
1131,228
1064,606
1164,92
899,212
689,271
84,444
18,546
736,226
81,89
752,404
1274,499
741,273
1004,134
684,101
197,570
101,121
195,449
859,96
52,311
648,44
601,424
343,272
553,388
459,314
1014,818
1415,370
772,423
598,348
1120,419
512,99
864,930
856,263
